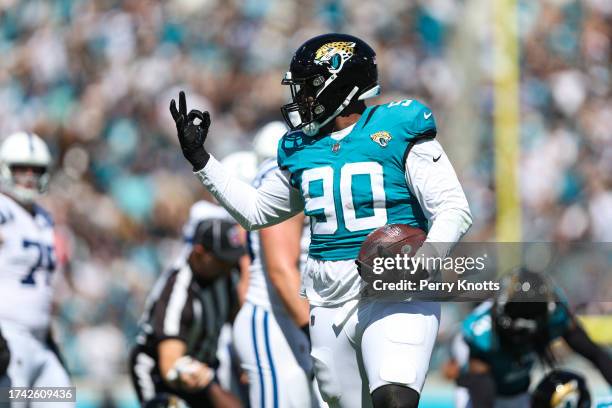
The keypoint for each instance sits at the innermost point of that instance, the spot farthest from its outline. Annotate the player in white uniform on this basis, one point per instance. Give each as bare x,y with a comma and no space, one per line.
271,329
242,165
27,263
351,168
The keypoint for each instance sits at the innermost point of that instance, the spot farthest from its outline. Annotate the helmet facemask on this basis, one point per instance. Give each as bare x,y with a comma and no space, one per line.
522,323
307,111
304,108
25,161
24,182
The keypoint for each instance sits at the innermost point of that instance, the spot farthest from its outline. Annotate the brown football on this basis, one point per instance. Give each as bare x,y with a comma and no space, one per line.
390,240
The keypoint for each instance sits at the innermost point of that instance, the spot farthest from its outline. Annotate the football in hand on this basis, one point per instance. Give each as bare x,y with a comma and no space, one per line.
387,242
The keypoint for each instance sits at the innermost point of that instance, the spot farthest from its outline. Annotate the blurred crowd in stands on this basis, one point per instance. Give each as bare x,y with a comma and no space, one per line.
94,79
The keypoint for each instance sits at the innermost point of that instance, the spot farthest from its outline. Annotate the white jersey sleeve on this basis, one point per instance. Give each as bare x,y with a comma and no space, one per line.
432,179
274,201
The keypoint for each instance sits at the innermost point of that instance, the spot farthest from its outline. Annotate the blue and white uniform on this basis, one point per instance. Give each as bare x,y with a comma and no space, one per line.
386,168
27,265
273,351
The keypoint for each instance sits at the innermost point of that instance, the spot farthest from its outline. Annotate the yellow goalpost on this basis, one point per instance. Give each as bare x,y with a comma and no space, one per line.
506,128
506,120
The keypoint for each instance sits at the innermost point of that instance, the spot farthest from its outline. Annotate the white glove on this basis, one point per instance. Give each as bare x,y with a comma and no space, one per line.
189,373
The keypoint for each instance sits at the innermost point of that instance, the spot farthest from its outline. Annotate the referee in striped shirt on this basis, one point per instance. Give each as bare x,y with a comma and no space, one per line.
184,313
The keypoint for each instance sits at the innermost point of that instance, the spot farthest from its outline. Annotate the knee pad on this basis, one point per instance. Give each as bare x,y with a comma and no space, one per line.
326,375
395,396
397,366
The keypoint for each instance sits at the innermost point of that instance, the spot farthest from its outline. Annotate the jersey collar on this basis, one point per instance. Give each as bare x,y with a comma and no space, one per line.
341,134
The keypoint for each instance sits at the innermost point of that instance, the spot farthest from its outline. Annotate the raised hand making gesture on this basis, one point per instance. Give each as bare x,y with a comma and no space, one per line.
192,130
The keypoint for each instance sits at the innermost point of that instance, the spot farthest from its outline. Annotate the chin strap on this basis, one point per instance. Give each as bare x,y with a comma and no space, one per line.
313,128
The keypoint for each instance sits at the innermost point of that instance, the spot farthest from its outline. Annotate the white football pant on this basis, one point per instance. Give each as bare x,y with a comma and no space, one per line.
363,345
274,352
33,364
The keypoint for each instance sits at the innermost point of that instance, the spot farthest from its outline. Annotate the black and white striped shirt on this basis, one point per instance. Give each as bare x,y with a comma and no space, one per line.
179,307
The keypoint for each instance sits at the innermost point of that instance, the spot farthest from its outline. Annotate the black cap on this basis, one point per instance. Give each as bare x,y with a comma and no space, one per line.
221,237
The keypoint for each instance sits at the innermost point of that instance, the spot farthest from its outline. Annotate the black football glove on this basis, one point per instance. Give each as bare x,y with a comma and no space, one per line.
365,268
192,130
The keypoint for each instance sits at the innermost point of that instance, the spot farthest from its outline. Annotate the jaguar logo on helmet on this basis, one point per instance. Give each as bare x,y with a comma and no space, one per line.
565,395
561,389
334,55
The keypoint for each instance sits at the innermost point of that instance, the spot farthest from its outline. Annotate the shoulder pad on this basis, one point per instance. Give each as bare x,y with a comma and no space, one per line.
411,116
560,320
477,330
291,143
6,214
45,214
265,168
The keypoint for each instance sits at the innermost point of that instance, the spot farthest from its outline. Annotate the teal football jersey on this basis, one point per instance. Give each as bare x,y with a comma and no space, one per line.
357,184
511,369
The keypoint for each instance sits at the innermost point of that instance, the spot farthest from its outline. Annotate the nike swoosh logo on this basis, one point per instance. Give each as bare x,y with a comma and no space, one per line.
426,115
437,158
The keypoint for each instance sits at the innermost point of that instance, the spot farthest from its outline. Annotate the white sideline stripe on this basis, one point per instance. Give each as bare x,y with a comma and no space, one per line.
178,297
143,367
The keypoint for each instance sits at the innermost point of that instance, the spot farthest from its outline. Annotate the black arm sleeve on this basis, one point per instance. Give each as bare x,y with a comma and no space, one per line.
580,342
481,388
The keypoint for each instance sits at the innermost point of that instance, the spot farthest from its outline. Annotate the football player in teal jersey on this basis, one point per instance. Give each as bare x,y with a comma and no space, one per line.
504,337
351,169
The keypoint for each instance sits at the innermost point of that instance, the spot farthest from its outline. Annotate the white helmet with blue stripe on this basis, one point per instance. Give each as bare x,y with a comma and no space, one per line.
265,143
29,152
241,164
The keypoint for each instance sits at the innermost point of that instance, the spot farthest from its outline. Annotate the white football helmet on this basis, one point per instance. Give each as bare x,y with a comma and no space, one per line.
266,140
241,164
28,150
